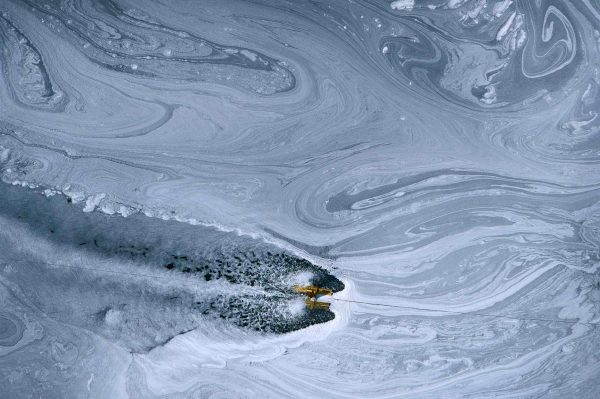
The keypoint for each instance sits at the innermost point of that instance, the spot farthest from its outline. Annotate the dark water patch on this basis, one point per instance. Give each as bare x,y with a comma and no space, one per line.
141,281
11,329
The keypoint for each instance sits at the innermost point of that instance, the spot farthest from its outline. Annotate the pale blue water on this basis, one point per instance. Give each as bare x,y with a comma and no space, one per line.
171,168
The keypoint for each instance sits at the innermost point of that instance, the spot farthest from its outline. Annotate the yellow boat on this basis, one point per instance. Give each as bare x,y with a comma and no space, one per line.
313,304
312,291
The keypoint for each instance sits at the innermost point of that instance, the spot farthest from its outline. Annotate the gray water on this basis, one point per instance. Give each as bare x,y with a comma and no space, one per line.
171,168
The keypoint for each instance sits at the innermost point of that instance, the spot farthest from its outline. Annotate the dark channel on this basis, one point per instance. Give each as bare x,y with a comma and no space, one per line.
197,273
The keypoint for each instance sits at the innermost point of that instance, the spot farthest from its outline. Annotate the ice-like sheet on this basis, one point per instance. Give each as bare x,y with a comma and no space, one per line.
170,168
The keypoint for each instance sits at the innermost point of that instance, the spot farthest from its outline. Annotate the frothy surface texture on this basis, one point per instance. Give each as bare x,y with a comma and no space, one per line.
171,168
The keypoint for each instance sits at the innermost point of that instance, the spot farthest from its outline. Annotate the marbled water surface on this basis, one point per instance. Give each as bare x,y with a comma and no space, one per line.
171,167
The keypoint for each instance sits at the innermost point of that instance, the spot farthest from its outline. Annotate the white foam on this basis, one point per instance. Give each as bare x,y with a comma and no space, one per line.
402,5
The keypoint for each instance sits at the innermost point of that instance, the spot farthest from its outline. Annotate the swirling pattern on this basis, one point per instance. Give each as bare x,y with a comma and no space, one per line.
439,157
25,69
11,330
